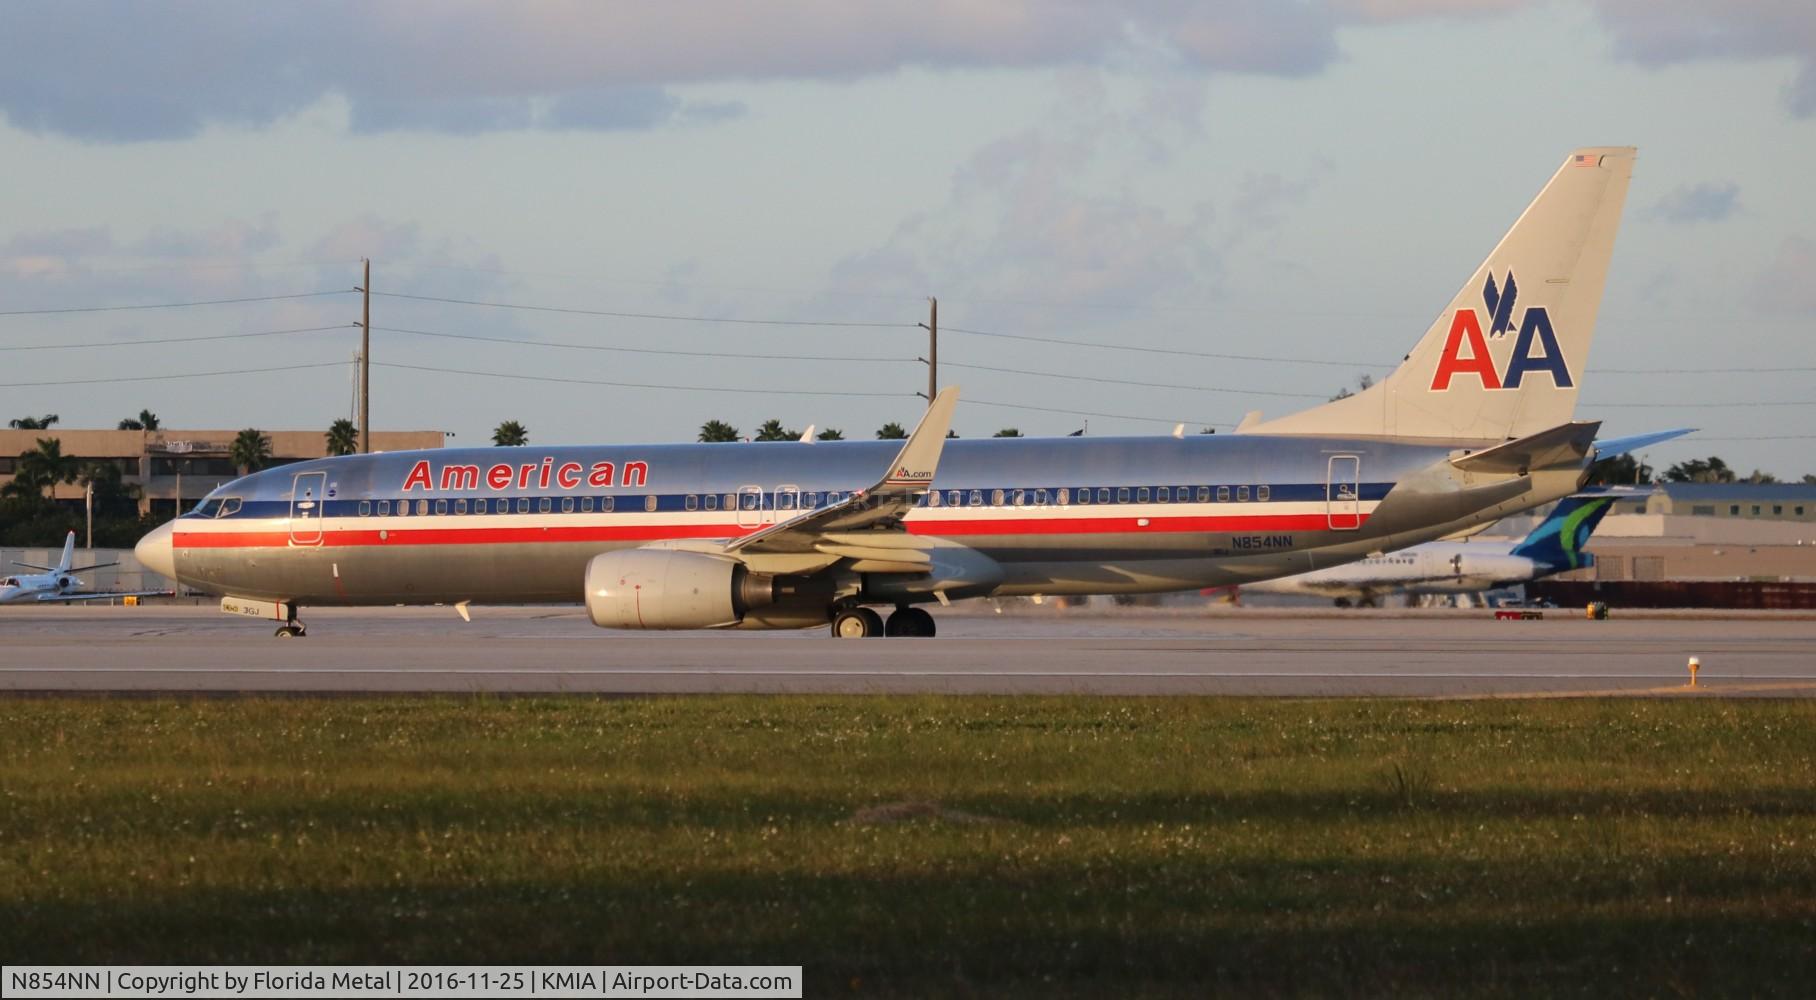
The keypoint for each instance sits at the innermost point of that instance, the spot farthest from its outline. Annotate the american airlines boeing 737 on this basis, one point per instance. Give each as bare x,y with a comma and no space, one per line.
1474,425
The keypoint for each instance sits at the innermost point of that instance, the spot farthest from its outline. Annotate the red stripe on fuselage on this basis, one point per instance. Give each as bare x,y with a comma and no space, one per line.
660,532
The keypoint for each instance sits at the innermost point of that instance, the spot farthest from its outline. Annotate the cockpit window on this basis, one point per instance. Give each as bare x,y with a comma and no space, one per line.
209,508
229,506
11,581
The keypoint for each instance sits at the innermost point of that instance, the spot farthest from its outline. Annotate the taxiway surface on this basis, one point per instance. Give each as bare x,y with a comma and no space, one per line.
1044,650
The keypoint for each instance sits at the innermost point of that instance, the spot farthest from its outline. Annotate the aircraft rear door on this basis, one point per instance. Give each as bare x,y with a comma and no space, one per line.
750,506
1343,493
306,508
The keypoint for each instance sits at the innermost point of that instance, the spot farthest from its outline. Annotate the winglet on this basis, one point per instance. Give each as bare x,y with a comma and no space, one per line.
914,465
807,435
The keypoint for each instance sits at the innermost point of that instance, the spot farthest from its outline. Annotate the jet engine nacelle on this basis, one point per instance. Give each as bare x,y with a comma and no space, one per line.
669,588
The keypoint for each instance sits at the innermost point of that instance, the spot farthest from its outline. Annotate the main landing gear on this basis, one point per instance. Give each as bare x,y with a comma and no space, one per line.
292,629
863,623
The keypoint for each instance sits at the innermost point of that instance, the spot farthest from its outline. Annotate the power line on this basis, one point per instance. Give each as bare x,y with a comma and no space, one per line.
1696,371
167,378
658,316
1145,385
170,305
174,340
1163,350
1675,405
642,350
644,385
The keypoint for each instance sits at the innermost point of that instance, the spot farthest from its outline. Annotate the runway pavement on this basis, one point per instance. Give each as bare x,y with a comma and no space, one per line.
1031,650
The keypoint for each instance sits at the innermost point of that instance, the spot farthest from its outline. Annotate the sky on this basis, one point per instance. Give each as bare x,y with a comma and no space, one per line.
739,211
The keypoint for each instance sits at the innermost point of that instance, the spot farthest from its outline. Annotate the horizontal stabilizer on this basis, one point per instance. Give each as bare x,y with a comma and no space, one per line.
1609,447
1565,444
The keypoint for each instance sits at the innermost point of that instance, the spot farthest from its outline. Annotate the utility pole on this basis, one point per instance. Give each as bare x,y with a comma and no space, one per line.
932,326
365,359
88,504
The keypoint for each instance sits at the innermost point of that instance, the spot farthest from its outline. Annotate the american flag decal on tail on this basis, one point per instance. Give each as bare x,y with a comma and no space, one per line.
1586,160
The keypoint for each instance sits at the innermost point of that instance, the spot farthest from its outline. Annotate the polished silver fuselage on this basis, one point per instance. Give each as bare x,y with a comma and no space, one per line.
521,524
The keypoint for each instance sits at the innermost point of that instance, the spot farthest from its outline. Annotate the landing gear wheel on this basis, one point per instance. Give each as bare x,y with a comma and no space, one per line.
914,623
856,623
291,632
1341,602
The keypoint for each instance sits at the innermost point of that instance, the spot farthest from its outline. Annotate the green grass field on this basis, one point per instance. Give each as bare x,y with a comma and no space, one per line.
909,846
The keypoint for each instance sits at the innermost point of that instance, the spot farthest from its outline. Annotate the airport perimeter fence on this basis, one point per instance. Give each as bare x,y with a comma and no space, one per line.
1733,594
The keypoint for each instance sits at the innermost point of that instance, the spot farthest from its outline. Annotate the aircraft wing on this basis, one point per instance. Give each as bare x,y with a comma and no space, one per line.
882,505
1609,447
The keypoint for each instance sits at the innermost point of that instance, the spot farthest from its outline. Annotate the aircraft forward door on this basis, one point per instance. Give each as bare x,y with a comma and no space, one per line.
1343,493
307,509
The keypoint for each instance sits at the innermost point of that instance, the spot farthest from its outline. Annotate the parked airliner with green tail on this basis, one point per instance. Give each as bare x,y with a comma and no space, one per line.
1474,425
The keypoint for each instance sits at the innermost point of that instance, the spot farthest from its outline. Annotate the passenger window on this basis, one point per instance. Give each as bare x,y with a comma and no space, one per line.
607,504
1122,494
1141,495
933,498
691,502
731,501
1223,494
1204,494
1242,493
1065,496
1040,498
567,505
523,505
586,505
649,502
1263,492
712,501
1019,498
384,508
996,498
1084,494
365,508
542,505
956,498
1163,494
977,498
422,508
786,501
479,506
460,506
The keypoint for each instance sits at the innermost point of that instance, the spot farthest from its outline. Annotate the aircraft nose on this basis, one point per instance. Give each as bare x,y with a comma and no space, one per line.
156,553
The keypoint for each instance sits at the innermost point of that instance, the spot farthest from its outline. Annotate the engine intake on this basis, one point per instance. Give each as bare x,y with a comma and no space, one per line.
668,588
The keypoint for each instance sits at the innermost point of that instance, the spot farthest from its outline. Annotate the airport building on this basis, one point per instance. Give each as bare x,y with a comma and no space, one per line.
168,466
1709,531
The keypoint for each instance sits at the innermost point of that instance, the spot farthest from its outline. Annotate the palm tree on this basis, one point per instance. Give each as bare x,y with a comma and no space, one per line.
772,430
832,434
145,421
510,434
343,437
34,423
251,450
891,431
1008,432
44,468
717,432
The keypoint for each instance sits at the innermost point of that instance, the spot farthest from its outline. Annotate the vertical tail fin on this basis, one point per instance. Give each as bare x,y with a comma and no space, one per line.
1505,357
69,554
1559,539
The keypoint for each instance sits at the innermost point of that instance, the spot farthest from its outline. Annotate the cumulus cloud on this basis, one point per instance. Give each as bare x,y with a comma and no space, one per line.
1709,201
1664,32
141,72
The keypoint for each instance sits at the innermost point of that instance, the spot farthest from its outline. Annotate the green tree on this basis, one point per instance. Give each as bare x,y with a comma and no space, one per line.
718,432
1362,383
343,437
1809,478
1008,432
251,450
1697,470
114,499
772,430
34,423
145,421
1618,471
41,470
891,431
510,434
1761,477
832,434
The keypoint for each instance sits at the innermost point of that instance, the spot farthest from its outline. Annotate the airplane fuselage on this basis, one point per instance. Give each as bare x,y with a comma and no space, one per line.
1050,516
